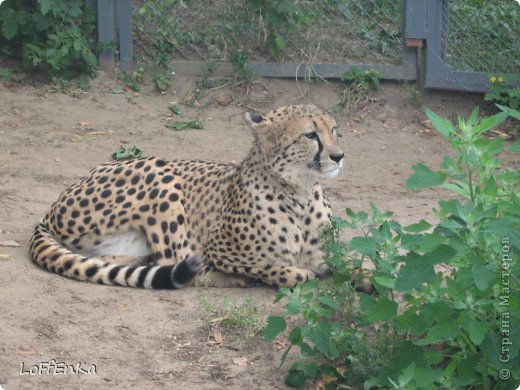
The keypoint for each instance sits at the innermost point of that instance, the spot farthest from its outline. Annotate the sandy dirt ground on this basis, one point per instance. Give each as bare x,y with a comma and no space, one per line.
162,339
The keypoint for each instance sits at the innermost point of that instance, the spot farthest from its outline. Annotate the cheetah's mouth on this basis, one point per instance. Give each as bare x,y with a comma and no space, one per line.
331,173
326,169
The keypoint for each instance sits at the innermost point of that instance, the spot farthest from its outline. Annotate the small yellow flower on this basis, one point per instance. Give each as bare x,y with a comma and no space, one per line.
500,79
493,79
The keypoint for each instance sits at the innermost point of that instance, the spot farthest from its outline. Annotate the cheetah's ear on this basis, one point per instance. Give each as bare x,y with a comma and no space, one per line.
253,119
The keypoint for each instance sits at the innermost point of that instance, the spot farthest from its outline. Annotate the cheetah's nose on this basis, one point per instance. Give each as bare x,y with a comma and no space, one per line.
337,157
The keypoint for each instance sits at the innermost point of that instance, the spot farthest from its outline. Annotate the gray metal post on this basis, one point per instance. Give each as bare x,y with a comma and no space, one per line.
124,28
106,33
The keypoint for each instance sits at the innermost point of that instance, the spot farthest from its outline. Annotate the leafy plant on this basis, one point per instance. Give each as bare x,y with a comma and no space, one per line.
361,82
279,19
127,153
131,80
162,81
183,125
175,109
54,36
243,319
501,90
243,71
447,294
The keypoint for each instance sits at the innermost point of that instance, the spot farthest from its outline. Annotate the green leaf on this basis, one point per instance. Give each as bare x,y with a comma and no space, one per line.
482,276
414,323
295,378
413,274
514,113
10,28
275,325
377,310
459,187
421,242
280,42
284,356
419,269
515,148
45,6
385,282
490,122
311,370
5,72
443,126
490,188
442,254
418,227
407,375
476,330
309,286
328,301
295,337
424,177
473,117
182,125
320,338
439,332
364,245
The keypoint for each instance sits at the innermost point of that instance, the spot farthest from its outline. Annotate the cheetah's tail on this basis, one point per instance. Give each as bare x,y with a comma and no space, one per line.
51,255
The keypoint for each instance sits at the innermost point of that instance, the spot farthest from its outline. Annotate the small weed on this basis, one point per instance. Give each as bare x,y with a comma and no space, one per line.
502,90
243,319
238,319
183,125
175,109
127,153
415,94
162,81
361,83
244,72
131,80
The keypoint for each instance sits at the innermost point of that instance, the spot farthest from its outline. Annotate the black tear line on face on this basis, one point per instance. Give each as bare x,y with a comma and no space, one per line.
316,161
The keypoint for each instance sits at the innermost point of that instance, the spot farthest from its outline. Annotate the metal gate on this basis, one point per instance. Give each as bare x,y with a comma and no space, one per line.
439,50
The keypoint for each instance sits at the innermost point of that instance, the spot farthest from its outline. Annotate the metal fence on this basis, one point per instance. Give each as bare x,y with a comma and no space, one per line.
466,44
448,44
482,39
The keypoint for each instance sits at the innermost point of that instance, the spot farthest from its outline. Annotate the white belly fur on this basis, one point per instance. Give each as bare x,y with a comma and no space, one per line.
132,243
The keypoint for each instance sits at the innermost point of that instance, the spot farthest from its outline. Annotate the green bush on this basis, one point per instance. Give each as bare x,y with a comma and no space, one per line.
501,89
51,35
448,294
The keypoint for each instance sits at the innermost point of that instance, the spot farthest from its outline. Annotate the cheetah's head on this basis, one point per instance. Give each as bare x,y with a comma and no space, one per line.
298,140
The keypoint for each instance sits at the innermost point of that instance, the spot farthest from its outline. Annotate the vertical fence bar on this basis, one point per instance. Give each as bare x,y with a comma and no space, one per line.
106,33
409,53
124,28
434,62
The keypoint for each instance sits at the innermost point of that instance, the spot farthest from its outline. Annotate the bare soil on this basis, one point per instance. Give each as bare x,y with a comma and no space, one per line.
163,339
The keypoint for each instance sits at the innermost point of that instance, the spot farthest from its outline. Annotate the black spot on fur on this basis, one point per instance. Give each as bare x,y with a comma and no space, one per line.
91,271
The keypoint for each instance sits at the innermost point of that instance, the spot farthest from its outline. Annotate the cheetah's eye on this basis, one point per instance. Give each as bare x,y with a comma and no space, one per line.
335,130
312,135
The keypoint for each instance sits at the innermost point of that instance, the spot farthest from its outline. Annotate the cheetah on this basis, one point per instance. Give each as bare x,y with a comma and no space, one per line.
161,224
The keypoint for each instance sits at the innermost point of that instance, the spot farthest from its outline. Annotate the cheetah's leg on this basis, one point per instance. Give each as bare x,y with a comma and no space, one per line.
281,276
166,226
209,277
